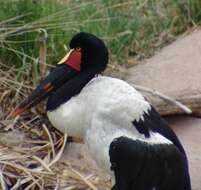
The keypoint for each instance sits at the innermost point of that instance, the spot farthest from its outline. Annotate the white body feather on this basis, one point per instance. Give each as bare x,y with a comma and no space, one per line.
101,112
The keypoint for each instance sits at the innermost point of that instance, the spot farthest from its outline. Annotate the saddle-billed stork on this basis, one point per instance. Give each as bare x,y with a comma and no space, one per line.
124,133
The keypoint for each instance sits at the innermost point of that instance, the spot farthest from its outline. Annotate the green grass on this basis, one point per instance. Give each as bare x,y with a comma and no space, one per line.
130,28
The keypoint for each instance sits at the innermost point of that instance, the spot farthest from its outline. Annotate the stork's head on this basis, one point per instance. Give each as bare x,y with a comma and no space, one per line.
90,50
87,57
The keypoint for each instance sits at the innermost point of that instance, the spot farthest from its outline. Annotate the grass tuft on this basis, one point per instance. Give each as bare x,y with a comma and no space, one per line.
135,27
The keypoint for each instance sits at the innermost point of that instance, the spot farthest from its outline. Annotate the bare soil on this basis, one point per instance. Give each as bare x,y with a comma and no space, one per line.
174,70
188,130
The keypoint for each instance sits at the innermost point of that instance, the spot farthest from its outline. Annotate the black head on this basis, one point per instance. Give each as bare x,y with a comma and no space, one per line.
87,57
93,50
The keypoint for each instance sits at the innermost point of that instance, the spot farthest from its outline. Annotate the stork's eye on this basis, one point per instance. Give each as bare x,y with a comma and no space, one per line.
78,48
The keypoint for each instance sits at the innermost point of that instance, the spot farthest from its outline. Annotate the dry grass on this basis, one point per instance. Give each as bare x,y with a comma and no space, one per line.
30,149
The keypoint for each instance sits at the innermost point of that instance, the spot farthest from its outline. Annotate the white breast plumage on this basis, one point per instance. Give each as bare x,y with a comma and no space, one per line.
103,106
112,98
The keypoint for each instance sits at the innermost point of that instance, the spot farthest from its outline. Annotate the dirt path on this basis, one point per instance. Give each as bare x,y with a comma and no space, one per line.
189,131
176,68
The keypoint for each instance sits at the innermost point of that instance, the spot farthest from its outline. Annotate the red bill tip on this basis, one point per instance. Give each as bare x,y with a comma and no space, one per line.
16,112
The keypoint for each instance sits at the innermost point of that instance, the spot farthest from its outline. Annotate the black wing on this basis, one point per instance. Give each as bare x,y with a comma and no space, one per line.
154,122
138,165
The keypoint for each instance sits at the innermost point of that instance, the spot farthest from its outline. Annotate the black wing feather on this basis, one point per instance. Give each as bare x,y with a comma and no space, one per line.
154,122
141,166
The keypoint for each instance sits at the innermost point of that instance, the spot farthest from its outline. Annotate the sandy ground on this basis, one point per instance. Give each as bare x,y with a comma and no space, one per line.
188,130
174,69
